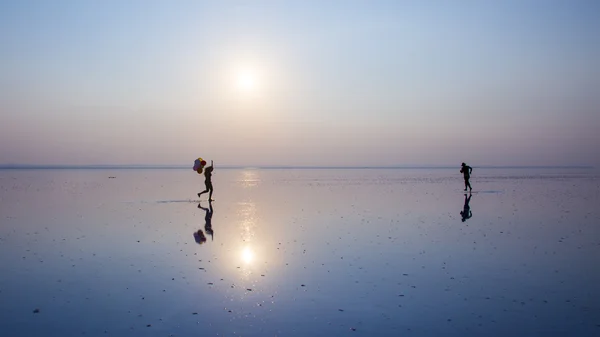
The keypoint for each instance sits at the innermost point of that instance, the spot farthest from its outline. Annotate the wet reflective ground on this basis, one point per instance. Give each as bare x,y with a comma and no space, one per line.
299,253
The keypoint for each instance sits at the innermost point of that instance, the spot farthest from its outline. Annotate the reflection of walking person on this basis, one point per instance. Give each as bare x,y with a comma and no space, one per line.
208,218
466,171
466,212
208,182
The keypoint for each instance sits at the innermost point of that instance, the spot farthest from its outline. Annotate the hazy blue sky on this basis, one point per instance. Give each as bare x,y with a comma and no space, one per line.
300,82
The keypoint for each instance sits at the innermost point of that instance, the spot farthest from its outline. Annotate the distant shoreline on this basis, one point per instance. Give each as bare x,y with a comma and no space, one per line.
266,167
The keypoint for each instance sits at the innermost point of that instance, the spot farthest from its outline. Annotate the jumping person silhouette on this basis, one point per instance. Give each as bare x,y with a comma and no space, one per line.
208,182
466,171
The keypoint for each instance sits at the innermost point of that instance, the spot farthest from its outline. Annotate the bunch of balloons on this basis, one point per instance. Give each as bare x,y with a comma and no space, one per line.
199,165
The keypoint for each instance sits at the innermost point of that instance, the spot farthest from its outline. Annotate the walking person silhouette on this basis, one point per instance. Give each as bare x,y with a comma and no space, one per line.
208,182
466,171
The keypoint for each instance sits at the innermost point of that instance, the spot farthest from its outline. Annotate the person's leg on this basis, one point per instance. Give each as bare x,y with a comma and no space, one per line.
469,184
210,193
466,183
208,186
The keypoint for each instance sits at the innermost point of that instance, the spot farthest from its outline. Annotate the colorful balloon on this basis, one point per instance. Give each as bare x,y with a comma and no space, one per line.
199,165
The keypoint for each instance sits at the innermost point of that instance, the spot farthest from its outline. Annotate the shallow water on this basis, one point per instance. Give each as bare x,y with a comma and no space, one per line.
300,252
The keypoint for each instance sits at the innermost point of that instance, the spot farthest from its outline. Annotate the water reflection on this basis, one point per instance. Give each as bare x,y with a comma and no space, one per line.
249,178
247,255
466,212
208,219
199,236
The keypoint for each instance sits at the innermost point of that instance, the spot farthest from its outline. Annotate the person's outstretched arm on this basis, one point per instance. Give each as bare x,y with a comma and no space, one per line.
470,170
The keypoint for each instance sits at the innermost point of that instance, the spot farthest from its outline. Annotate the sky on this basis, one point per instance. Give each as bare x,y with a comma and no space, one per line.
304,83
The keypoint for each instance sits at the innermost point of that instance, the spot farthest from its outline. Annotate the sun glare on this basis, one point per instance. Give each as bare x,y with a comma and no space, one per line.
247,81
247,255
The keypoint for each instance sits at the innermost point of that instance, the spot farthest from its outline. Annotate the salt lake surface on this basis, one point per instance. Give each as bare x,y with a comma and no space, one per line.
300,252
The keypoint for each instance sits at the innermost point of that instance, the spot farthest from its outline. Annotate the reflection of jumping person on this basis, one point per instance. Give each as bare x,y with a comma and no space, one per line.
208,182
466,171
208,218
466,212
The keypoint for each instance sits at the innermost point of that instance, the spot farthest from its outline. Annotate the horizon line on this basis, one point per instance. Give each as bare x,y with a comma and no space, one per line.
173,166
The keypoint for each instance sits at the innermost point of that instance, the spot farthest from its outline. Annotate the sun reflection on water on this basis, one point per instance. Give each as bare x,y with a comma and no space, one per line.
249,178
247,255
247,227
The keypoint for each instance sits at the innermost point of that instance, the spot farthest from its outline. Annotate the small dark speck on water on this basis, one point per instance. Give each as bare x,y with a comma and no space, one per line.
149,325
36,311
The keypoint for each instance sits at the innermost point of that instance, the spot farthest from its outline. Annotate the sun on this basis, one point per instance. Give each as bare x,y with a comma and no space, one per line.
247,81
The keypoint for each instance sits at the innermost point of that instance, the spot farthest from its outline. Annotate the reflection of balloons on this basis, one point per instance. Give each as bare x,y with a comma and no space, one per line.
199,170
199,237
203,163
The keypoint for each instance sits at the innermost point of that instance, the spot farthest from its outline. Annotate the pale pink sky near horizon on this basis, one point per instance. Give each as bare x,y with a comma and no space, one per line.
339,83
